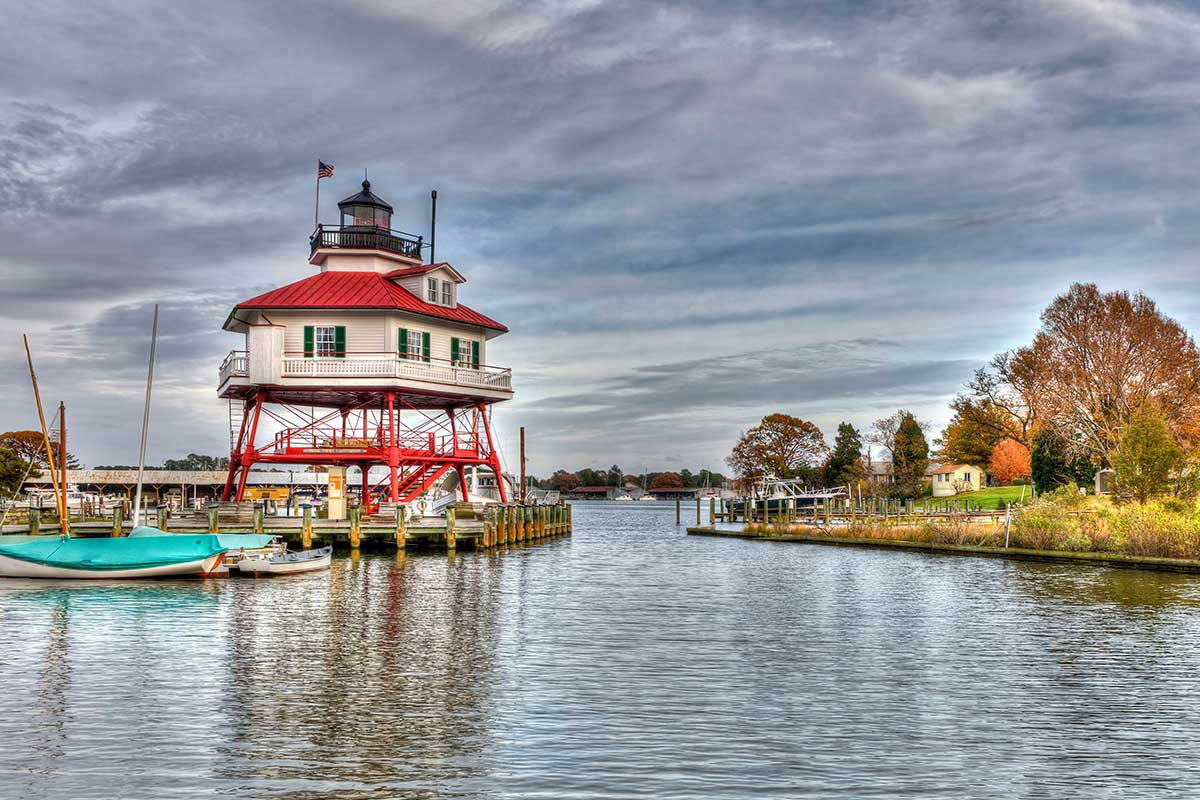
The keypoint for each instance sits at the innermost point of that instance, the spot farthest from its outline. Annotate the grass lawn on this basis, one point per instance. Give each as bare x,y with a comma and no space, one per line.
994,497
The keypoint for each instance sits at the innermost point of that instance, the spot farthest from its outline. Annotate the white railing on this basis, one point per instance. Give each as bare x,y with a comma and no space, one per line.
236,363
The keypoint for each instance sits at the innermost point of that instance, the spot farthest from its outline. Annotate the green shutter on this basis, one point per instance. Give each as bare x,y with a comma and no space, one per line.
475,354
454,350
402,348
425,346
308,341
339,341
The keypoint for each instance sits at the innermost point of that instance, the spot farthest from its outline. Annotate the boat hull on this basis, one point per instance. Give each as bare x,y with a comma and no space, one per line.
16,568
285,566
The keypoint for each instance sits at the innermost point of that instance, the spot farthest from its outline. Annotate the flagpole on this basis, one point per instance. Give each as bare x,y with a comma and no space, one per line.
317,205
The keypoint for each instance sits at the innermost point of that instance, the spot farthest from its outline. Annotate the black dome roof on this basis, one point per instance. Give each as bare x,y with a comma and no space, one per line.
366,198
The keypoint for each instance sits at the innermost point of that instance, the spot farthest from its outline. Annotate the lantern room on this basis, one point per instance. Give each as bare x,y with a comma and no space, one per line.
365,210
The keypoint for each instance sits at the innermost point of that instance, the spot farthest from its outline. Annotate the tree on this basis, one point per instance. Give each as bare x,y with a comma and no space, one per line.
1147,456
196,461
1100,358
31,447
910,453
845,462
563,481
615,476
902,436
781,445
1010,461
13,469
689,480
973,433
666,480
1056,461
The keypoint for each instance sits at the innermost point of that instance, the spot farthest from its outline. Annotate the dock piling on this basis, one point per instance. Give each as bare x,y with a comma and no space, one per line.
258,518
118,520
162,518
451,544
355,527
35,521
214,519
677,508
401,526
306,529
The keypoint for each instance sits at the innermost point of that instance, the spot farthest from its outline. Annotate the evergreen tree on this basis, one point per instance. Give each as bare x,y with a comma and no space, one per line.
845,463
910,453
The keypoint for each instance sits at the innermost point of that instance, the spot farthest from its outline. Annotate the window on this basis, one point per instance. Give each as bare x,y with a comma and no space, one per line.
464,352
433,290
967,477
410,343
326,340
447,293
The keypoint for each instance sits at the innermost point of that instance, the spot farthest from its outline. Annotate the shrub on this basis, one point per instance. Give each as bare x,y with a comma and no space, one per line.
1043,525
1067,495
1147,457
1153,530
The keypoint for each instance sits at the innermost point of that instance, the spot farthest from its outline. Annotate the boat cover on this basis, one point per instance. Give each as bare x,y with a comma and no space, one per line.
118,553
230,541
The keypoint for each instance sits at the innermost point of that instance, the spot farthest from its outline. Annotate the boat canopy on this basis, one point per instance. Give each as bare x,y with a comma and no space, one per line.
230,541
115,554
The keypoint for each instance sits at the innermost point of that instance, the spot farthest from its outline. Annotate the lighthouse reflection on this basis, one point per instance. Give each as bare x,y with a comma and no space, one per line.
372,674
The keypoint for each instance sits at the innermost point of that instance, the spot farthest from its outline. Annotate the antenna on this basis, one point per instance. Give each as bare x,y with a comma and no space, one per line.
433,227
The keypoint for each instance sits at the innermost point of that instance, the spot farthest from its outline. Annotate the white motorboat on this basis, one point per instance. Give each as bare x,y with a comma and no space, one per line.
287,563
624,498
646,498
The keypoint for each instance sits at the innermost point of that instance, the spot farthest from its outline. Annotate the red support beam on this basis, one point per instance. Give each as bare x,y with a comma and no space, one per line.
248,451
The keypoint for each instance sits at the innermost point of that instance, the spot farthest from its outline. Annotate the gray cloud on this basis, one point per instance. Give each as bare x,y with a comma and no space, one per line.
689,214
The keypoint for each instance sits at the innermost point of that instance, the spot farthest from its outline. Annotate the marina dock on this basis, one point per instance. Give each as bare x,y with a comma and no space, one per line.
463,526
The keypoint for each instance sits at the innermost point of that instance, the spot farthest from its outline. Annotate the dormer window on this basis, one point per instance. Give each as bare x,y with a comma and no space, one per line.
432,291
447,293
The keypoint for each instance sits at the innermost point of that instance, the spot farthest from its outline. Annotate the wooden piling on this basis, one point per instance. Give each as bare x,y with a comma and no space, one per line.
451,543
162,518
401,527
259,514
306,526
355,527
712,511
214,519
489,528
35,521
697,510
570,520
118,520
677,509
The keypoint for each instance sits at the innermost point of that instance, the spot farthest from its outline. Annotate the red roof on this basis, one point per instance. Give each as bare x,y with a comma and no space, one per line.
361,290
421,270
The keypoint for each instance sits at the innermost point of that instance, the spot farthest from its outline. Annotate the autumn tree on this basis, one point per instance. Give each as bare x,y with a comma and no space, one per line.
782,446
30,446
1010,461
974,431
667,480
1099,358
1147,456
845,464
563,481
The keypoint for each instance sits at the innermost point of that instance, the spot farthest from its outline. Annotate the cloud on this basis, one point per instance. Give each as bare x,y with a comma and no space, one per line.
689,214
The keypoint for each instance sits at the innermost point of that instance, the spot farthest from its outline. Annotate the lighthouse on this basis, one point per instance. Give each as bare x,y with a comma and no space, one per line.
371,361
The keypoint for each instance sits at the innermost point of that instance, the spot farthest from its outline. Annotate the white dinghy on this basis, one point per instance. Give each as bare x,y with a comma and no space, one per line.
288,563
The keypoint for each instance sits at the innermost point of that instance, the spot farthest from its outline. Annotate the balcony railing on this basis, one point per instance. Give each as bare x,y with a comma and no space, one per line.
236,363
366,237
377,365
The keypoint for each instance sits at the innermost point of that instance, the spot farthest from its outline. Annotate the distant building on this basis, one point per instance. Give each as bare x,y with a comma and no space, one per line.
673,492
951,479
1104,480
880,473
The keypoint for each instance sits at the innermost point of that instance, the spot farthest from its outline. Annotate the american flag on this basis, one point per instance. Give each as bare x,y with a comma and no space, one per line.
324,170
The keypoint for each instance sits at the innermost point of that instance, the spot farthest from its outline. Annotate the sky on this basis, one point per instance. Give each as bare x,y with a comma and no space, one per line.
689,214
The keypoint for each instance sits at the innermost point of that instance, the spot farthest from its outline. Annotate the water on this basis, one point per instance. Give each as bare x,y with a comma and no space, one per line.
627,661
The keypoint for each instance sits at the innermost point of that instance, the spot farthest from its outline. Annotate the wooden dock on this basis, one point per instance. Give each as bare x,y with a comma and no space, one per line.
462,527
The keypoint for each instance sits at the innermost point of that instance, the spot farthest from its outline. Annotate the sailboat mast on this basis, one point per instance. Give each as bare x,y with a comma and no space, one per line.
137,507
60,502
62,453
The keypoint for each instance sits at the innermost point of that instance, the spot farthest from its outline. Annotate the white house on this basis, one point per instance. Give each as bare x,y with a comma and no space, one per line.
951,479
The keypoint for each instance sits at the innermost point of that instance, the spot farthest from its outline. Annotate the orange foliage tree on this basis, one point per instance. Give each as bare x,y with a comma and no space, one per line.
666,480
780,445
1010,461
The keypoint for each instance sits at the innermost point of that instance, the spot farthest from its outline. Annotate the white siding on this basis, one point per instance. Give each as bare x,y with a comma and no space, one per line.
371,331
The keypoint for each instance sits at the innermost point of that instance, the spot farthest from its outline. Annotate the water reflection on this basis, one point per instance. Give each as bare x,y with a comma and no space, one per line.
626,661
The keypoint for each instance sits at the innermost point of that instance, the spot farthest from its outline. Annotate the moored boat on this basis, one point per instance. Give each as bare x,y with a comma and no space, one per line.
288,563
106,559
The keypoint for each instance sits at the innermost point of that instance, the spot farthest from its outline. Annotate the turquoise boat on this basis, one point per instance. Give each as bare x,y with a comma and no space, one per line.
230,541
125,557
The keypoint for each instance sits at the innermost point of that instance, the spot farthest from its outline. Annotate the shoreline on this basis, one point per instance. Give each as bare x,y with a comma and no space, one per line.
1158,563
